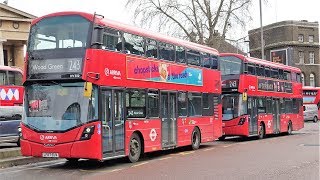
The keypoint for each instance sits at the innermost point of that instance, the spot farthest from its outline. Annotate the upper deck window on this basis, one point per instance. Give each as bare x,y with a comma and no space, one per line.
59,32
3,78
15,78
133,44
230,65
10,78
112,40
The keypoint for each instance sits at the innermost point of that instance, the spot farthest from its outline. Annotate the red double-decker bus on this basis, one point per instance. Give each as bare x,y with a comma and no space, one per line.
259,97
99,89
11,93
311,103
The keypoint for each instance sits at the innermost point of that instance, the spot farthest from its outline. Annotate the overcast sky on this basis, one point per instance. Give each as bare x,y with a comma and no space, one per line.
275,10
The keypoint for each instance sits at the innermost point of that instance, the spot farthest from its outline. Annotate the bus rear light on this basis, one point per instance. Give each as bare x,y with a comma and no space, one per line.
87,133
241,121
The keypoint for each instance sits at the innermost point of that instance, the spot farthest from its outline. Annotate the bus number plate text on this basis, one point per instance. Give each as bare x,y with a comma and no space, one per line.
49,155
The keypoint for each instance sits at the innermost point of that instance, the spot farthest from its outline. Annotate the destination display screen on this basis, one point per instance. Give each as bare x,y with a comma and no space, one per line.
71,67
310,92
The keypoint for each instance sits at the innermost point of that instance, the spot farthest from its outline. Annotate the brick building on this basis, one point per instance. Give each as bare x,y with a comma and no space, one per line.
14,32
295,43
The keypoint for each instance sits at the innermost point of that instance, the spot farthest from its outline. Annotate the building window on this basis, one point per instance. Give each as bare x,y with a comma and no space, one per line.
301,57
302,79
312,80
311,57
300,37
311,38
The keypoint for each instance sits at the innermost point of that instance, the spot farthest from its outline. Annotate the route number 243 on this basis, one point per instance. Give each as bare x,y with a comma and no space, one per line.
74,65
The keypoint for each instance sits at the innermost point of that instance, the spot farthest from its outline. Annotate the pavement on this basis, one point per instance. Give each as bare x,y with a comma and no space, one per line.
10,155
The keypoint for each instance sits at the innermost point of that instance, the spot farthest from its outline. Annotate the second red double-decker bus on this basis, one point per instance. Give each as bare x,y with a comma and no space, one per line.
311,103
259,97
11,93
98,89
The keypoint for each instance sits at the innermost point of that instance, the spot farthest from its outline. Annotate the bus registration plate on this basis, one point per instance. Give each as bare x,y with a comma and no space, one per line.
49,155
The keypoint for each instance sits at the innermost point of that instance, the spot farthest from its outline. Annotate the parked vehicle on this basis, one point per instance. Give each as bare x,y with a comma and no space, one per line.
310,112
10,130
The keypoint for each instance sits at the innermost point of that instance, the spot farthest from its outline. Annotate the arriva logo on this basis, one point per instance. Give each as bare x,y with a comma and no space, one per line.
43,137
112,72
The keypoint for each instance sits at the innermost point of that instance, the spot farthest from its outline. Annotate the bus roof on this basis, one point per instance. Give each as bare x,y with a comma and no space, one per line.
263,62
134,30
10,68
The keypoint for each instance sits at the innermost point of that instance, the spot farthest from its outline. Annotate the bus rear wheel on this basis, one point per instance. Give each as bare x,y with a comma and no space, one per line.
135,148
195,139
289,128
261,131
222,138
315,119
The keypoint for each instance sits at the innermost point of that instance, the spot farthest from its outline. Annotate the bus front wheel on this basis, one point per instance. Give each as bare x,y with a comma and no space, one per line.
135,148
195,139
261,131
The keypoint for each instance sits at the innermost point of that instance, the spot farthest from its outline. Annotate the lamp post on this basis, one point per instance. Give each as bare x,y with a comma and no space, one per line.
261,29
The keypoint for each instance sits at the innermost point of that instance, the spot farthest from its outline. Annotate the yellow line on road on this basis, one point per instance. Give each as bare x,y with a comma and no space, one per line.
186,153
227,146
243,143
115,170
209,149
140,164
165,158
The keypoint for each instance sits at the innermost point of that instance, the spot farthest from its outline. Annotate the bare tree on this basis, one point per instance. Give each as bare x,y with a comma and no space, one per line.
198,20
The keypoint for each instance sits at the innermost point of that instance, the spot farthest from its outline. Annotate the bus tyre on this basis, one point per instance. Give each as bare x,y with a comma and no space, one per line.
195,139
222,138
72,160
261,131
315,119
289,128
135,148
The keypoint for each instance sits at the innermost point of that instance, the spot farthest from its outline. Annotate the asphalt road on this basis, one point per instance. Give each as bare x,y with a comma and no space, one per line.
277,157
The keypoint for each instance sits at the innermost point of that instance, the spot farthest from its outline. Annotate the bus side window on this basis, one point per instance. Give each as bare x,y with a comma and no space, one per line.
133,44
193,58
251,69
214,61
294,77
180,55
207,61
267,72
151,48
166,51
15,78
182,104
112,40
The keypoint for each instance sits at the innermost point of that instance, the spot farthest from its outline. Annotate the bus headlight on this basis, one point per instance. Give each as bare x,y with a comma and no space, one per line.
241,121
87,133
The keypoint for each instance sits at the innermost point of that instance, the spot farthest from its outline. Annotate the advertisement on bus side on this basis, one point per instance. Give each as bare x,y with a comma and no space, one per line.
147,70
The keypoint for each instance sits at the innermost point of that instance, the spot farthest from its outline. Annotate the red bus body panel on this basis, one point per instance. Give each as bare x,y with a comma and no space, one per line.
67,144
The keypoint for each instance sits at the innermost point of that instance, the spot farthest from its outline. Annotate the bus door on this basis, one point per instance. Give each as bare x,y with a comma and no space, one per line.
276,115
169,119
112,122
253,116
